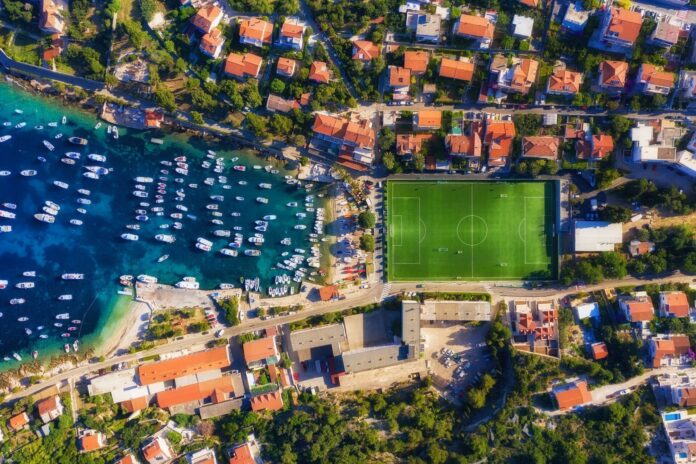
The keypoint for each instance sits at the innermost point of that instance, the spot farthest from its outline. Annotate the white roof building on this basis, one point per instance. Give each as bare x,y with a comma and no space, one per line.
652,143
596,236
522,26
686,162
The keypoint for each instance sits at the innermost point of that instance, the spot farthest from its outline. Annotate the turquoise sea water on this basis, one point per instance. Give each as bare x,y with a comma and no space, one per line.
95,248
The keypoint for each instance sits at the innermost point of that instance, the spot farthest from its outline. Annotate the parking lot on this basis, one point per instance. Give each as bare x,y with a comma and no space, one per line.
458,355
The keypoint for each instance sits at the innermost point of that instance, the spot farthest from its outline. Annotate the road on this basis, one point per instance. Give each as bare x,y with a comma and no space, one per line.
37,71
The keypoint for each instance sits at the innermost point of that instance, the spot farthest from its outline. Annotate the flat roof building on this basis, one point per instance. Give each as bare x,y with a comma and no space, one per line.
596,236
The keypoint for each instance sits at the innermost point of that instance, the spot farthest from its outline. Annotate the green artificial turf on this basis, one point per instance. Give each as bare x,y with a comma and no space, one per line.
470,230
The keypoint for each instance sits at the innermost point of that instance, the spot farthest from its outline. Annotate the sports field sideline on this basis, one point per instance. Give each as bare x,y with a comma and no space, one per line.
471,230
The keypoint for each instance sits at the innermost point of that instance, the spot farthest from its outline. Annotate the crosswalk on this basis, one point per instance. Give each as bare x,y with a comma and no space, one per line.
385,291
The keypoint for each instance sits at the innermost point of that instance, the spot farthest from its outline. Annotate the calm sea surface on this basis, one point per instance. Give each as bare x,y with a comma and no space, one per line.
96,248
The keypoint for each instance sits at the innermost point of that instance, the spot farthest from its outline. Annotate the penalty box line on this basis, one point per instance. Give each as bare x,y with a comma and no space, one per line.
418,247
526,224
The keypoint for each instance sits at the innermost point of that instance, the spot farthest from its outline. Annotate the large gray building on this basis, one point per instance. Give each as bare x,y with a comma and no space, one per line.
304,341
433,310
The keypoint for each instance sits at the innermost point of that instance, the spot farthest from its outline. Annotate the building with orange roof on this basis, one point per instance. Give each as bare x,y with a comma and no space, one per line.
571,395
564,82
475,28
19,421
665,34
204,456
519,77
212,43
365,51
654,80
427,120
243,66
612,75
128,459
275,103
246,453
669,350
158,451
466,145
286,67
51,18
498,138
599,350
207,18
399,82
260,352
49,409
529,3
594,147
637,308
272,401
410,144
256,32
169,369
291,34
135,405
416,61
91,440
540,146
217,390
343,132
620,27
328,292
153,118
678,388
319,72
457,69
674,304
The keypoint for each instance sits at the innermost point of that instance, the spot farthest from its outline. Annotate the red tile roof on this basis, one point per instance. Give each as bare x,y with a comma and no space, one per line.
206,17
524,75
47,405
540,147
136,404
357,133
613,73
650,74
530,3
276,103
286,66
475,26
90,442
625,24
328,292
675,345
364,50
154,453
200,361
464,144
455,69
429,119
411,143
599,350
259,349
19,421
128,459
416,61
565,81
319,72
246,65
676,304
268,401
399,77
291,30
256,29
196,392
575,395
602,146
640,310
211,41
242,455
499,136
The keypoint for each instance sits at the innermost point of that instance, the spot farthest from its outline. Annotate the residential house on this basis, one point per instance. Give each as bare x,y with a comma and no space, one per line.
536,331
246,453
654,80
204,456
291,34
128,459
498,138
428,28
207,18
190,364
256,32
599,351
456,69
638,248
427,120
680,430
272,401
669,350
530,3
612,75
275,103
135,404
399,82
571,395
637,308
665,35
19,421
158,451
475,28
243,66
410,144
468,145
286,67
656,141
319,72
50,408
54,50
575,17
261,352
677,388
90,440
688,84
354,139
522,27
594,147
51,18
674,304
416,61
596,236
543,147
620,27
365,51
564,82
586,311
212,43
215,390
520,76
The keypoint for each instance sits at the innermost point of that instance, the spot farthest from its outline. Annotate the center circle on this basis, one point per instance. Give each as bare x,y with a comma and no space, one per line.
472,230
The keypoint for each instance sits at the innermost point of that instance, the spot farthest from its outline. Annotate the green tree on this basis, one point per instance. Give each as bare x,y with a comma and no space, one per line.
197,117
277,86
389,161
367,242
366,219
281,125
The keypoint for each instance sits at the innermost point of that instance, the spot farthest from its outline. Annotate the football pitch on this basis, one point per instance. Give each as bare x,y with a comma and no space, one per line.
471,230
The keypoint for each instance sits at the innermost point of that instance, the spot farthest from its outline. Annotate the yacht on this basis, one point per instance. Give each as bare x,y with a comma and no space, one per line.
187,285
65,297
45,218
72,276
17,301
265,186
50,211
52,205
270,217
228,252
102,171
7,214
60,184
262,200
63,316
144,180
76,222
68,161
130,237
84,201
292,204
226,286
165,238
77,141
137,193
203,246
252,252
147,279
5,173
5,228
48,145
73,155
91,175
162,258
28,173
239,168
25,285
5,138
84,192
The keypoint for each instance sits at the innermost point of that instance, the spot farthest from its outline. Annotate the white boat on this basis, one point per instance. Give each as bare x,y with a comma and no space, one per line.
72,276
73,155
292,204
48,145
147,279
64,120
65,297
265,186
67,161
25,285
187,285
91,175
28,173
5,173
270,217
52,124
10,205
262,200
45,218
226,286
76,222
203,246
84,201
20,125
144,180
162,258
78,141
63,316
5,228
60,184
97,158
17,301
7,214
97,125
81,210
49,210
131,237
252,252
84,192
228,252
50,204
58,136
138,193
5,138
165,238
222,233
29,273
102,171
114,132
